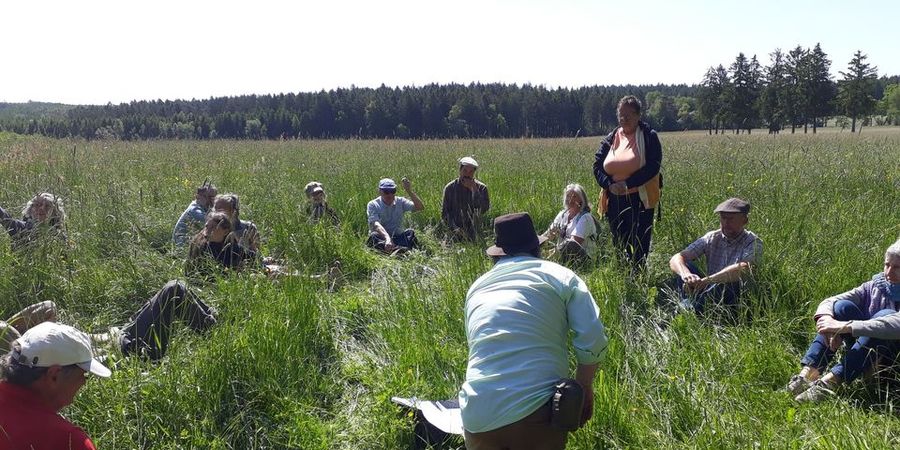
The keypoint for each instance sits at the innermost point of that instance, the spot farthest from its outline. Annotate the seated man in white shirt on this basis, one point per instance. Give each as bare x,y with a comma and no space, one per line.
385,214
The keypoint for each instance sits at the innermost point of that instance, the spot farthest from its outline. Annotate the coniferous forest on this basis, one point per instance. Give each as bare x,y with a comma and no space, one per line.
795,90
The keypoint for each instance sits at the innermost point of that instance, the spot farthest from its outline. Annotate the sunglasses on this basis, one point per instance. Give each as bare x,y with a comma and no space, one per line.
389,191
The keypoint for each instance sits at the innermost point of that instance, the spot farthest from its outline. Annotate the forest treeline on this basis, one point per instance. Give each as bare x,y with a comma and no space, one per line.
794,90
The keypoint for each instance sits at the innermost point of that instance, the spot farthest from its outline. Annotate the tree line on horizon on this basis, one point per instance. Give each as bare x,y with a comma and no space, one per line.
795,90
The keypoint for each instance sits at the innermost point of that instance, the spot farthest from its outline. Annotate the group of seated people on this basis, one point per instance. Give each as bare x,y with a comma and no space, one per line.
864,320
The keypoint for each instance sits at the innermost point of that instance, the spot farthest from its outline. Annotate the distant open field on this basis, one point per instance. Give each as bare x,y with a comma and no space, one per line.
291,365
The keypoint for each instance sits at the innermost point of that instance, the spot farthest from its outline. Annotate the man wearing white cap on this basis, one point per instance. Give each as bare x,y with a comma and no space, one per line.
385,214
465,201
41,375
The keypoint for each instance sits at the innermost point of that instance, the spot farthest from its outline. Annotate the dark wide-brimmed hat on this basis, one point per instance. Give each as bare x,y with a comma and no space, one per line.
733,205
515,234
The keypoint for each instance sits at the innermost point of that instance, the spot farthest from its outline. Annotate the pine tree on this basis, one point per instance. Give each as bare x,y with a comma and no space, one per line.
771,105
855,89
819,87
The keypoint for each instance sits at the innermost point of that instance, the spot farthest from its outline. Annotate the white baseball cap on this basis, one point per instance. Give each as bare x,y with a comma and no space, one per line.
51,343
468,161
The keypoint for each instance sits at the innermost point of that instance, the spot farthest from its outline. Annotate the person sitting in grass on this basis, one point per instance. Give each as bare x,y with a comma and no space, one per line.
193,218
217,242
574,229
731,251
317,204
864,321
244,230
466,200
41,375
385,214
44,212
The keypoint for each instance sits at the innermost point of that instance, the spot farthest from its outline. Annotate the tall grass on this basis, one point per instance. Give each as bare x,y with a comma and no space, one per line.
291,365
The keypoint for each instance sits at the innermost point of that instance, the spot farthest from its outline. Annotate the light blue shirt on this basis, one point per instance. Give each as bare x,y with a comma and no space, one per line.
390,216
518,315
191,220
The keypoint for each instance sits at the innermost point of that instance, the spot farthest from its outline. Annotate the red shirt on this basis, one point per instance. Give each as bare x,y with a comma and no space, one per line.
25,423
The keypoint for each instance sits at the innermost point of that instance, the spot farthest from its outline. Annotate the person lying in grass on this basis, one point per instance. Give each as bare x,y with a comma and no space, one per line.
217,243
864,321
146,334
244,230
43,213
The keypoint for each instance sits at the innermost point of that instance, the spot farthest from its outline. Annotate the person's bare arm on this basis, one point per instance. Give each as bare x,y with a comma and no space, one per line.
584,375
417,203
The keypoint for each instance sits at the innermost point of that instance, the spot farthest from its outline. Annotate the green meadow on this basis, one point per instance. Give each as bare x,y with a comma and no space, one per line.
293,365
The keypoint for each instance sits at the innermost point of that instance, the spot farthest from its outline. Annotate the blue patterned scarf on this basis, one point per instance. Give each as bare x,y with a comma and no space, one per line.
891,290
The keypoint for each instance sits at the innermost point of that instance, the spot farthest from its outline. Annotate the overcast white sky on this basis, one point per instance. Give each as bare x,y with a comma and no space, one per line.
82,52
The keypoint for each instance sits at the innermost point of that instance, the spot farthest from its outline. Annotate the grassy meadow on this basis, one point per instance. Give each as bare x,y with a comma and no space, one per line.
292,365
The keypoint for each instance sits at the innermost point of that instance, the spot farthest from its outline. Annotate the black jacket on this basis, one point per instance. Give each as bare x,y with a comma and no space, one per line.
652,158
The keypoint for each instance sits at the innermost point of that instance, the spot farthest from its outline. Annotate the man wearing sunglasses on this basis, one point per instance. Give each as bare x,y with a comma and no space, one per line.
385,212
41,375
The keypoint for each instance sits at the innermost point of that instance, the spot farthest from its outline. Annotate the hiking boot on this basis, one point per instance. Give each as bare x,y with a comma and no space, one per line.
797,385
818,391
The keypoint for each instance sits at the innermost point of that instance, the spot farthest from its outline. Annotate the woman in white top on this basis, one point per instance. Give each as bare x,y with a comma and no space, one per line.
574,229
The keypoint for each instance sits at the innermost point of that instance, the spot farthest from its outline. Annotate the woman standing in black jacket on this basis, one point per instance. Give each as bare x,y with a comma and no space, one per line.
627,168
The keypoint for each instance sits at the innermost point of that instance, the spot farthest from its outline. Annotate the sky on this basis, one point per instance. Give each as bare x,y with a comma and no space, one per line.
98,52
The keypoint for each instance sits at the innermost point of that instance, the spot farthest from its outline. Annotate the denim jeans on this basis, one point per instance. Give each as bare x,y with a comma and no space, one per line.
861,351
727,293
406,238
149,330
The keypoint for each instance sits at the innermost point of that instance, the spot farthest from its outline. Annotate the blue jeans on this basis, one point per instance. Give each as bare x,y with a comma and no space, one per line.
406,238
861,351
727,293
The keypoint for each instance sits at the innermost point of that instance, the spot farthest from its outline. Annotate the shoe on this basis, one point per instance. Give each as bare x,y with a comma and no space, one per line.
797,385
818,391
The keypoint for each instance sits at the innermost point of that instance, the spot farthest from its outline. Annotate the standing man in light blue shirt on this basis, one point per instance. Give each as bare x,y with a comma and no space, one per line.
385,213
193,218
518,316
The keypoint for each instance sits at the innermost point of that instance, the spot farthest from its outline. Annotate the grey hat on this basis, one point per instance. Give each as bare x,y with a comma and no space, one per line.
387,183
733,205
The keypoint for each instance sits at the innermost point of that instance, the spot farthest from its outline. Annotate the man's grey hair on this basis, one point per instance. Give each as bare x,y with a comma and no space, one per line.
893,251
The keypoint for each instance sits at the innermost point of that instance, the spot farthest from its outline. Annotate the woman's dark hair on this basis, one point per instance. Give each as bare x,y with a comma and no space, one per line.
632,102
18,374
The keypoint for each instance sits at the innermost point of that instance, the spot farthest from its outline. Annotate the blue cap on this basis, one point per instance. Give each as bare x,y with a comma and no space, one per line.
387,183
